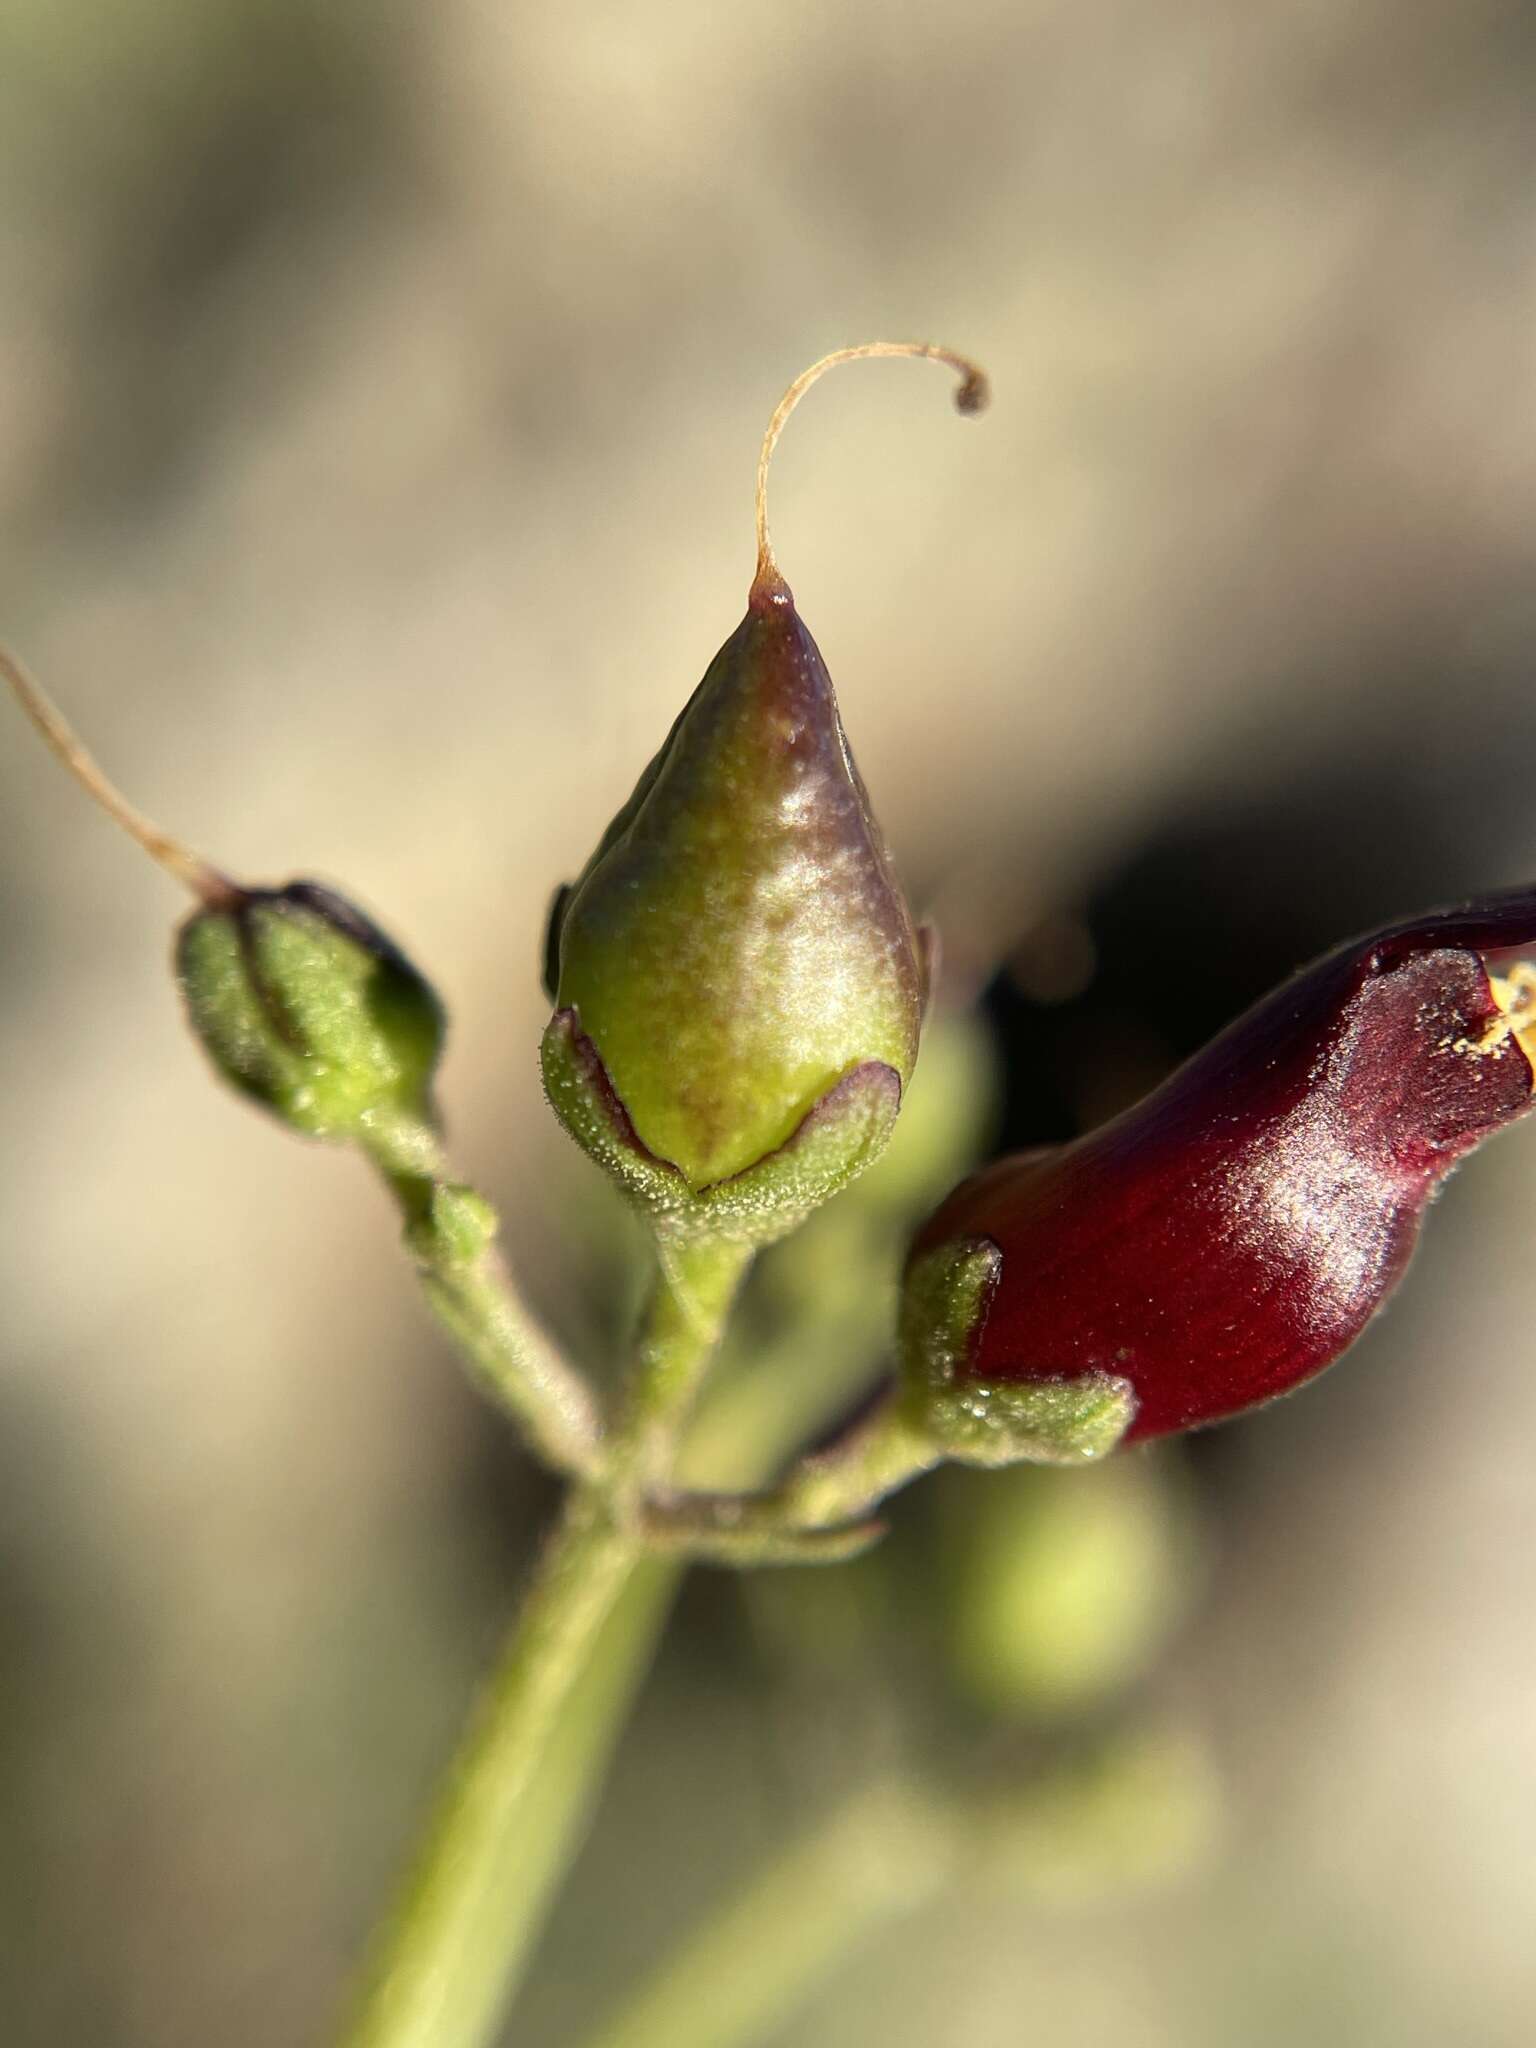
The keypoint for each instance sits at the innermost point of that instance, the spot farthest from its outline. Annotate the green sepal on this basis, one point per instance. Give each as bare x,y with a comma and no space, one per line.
307,1008
834,1141
945,1300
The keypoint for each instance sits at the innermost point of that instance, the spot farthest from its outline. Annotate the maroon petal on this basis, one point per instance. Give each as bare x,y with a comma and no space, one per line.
1234,1232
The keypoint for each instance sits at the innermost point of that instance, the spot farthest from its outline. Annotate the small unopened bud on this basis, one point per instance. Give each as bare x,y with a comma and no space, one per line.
1064,1586
739,985
304,1005
300,1001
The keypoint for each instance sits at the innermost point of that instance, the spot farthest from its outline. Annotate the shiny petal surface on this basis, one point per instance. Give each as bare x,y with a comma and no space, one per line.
1232,1234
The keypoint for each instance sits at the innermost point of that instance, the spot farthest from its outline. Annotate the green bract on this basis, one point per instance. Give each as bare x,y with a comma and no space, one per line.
737,948
303,1004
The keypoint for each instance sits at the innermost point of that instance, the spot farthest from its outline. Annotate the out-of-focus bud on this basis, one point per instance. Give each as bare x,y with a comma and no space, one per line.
1062,1588
739,986
1232,1234
304,1005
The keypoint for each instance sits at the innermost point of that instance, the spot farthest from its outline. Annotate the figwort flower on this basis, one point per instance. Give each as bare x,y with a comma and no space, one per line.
1233,1233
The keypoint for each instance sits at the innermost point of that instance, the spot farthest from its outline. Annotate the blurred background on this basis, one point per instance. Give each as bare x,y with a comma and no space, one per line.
379,394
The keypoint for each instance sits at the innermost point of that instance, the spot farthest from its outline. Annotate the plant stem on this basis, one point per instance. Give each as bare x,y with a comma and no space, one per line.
695,1286
451,1230
551,1821
445,1962
748,1428
884,1852
438,1979
822,1509
745,1431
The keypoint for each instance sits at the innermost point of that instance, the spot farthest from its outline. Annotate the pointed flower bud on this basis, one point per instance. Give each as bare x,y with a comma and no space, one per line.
739,986
1233,1233
739,942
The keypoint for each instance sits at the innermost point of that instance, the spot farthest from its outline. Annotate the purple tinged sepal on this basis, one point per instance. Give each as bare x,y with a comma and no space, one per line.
840,1133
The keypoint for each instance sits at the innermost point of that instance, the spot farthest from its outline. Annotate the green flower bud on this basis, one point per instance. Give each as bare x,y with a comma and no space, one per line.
300,1001
304,1005
736,974
739,942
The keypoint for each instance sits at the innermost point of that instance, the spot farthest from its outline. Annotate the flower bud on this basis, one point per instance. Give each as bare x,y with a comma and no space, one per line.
738,942
739,985
304,1005
300,1001
1063,1587
1233,1233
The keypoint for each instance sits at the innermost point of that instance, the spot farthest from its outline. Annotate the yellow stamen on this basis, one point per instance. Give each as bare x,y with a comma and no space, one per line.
1515,994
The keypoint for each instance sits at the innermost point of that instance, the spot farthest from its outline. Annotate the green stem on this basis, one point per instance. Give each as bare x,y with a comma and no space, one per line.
883,1853
883,1451
557,1804
823,1509
439,1975
690,1302
746,1430
445,1962
451,1231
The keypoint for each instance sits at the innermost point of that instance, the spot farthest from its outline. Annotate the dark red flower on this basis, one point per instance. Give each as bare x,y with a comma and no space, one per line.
1233,1233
